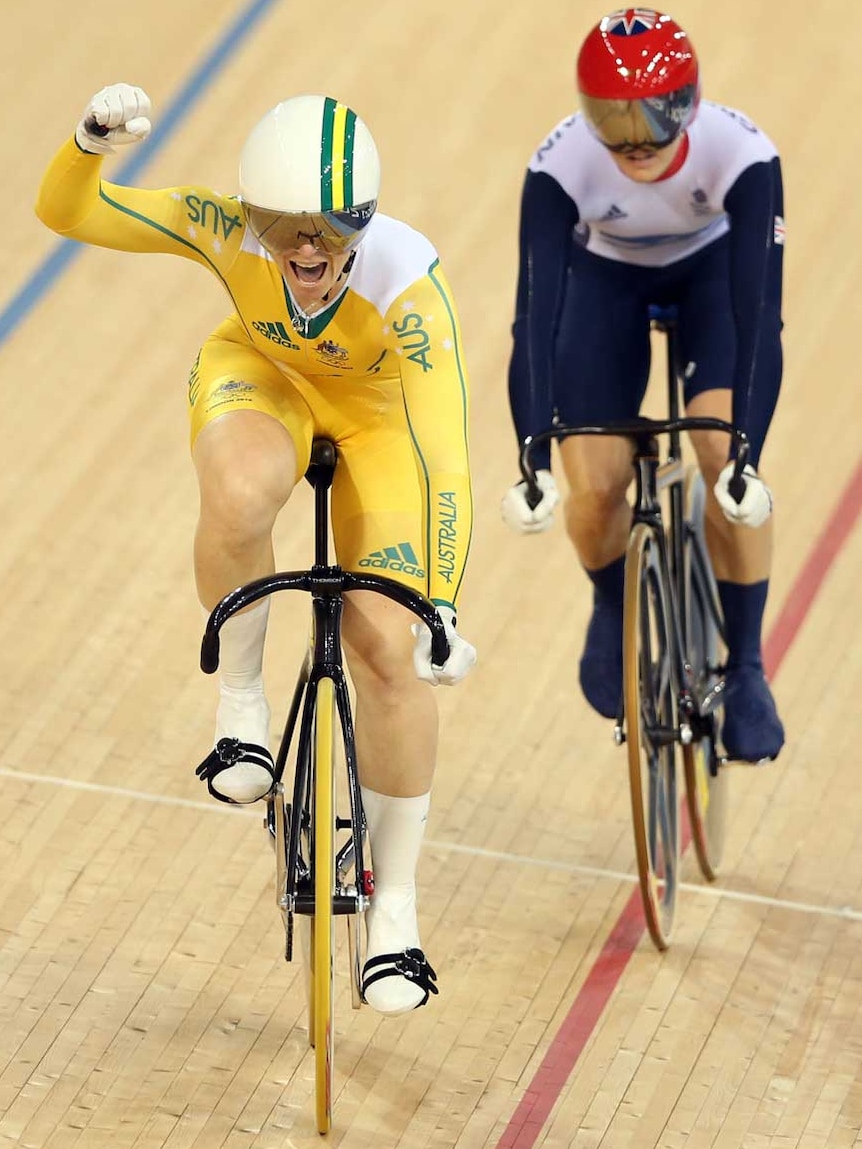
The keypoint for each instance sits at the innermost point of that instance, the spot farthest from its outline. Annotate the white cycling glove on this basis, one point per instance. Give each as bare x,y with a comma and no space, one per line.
461,658
520,516
122,112
756,505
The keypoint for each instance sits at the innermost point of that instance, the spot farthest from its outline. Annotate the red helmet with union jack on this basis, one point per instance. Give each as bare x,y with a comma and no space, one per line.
637,79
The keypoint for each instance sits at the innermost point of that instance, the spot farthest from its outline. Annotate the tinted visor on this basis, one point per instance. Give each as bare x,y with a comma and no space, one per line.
330,231
650,123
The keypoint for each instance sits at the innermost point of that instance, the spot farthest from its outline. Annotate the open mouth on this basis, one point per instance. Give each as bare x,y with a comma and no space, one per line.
308,272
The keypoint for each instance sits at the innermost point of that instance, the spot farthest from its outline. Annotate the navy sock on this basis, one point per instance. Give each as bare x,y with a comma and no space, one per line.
608,582
743,605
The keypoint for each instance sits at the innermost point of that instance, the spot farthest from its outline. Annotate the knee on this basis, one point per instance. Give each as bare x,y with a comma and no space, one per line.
598,496
380,658
242,499
599,472
711,451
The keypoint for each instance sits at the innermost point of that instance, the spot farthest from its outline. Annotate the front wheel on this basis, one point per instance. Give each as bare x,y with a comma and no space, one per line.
649,701
322,1023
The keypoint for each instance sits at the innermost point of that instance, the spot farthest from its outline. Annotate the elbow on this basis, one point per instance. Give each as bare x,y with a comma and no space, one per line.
47,213
43,214
54,218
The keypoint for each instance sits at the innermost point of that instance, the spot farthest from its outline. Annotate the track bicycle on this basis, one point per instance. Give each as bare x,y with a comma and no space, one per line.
673,643
322,865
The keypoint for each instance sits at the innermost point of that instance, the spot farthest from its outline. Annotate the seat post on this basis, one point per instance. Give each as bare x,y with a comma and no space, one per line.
664,319
321,470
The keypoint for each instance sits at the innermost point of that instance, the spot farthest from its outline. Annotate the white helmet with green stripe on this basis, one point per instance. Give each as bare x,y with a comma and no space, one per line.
309,172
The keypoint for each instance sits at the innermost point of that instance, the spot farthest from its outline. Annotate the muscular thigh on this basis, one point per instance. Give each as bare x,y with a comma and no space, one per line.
378,509
602,354
707,330
229,377
378,504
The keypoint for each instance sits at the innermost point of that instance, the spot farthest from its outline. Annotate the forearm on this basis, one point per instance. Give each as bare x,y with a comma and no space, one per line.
69,191
450,514
755,205
547,219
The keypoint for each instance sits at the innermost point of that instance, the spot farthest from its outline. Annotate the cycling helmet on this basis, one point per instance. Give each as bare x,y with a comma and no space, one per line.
637,78
309,171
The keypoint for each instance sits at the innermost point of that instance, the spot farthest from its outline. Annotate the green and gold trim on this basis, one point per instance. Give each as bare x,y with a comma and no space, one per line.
336,156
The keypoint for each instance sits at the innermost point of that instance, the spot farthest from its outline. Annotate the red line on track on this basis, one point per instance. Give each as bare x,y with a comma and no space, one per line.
811,577
542,1092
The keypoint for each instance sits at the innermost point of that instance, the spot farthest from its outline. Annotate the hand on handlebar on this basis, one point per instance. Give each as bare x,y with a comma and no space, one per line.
520,516
461,658
754,508
118,114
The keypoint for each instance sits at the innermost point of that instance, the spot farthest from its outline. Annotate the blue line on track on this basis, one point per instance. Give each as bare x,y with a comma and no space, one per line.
65,252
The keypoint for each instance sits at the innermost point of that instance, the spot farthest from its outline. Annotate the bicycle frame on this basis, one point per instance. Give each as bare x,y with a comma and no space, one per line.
671,690
326,583
652,477
317,886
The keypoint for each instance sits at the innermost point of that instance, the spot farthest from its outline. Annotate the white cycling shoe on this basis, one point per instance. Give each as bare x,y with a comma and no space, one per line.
396,977
240,769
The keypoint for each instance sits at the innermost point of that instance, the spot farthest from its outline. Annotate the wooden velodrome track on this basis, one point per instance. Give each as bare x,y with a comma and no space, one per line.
143,999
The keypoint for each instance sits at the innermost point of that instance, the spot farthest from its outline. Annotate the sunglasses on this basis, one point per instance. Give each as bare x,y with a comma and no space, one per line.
334,232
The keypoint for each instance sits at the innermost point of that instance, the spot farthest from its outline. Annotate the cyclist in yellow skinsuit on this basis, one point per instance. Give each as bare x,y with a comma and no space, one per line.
342,325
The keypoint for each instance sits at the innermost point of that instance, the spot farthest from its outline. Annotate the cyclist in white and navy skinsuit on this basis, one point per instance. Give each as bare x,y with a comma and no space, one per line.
651,196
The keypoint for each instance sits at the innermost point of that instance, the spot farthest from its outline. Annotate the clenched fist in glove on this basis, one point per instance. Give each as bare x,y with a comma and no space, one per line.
119,114
756,505
520,516
461,658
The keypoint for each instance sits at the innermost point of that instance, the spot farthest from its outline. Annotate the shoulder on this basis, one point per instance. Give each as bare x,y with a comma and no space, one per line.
563,142
729,134
392,256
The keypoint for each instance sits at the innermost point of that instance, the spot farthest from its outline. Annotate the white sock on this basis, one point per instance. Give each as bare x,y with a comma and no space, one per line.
241,642
243,711
396,827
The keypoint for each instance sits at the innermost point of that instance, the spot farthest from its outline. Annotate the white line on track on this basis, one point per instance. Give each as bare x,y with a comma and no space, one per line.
214,807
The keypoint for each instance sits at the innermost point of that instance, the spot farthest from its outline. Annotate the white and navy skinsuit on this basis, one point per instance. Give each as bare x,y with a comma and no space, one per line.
597,249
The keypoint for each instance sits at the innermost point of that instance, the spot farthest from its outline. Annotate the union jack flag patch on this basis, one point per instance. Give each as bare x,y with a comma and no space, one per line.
780,230
631,21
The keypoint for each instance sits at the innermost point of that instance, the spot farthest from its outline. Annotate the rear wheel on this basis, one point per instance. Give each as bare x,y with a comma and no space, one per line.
650,715
322,1025
706,780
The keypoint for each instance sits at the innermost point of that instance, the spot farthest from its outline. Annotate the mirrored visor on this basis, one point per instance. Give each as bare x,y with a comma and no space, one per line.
650,123
330,231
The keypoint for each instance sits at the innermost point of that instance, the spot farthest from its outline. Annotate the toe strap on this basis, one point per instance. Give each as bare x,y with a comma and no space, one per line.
410,964
228,752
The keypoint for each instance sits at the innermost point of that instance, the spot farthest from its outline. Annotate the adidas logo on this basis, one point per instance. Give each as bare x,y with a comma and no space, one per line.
401,558
612,213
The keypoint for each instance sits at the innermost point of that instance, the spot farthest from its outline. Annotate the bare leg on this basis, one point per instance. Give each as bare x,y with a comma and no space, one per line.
245,463
598,515
738,554
598,518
